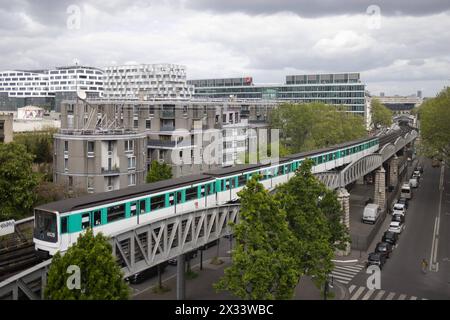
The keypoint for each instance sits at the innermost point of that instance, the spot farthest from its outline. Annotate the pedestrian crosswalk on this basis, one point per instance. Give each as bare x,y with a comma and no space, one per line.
345,273
364,293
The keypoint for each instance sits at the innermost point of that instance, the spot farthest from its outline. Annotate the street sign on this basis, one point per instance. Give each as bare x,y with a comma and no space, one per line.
7,227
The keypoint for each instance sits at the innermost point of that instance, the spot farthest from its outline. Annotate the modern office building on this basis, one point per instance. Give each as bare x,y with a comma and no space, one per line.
401,104
106,145
147,82
47,88
6,127
338,89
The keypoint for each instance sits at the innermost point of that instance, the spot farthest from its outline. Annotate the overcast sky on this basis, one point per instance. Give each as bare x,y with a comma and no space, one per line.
398,46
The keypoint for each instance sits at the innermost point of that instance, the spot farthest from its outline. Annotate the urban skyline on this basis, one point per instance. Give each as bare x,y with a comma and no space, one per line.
219,40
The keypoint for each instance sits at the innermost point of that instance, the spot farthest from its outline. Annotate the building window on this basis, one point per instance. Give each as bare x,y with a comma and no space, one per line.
66,165
148,124
131,163
66,146
129,145
90,184
135,123
132,179
90,149
70,182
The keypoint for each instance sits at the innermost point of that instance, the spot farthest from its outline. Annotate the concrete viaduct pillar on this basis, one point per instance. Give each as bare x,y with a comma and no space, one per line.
344,199
393,165
380,188
181,280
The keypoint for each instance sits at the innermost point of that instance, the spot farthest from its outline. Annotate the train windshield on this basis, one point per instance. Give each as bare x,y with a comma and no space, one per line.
45,227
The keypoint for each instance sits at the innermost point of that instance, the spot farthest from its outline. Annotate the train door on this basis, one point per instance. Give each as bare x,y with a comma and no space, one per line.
134,210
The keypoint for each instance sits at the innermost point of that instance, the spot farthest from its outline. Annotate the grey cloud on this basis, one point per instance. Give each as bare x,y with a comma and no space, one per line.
308,8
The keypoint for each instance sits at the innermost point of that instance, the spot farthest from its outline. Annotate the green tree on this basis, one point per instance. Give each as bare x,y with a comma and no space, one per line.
435,126
158,171
17,181
100,275
381,115
263,264
315,217
310,126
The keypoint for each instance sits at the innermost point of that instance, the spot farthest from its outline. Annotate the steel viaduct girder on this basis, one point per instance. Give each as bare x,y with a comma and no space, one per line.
364,165
151,244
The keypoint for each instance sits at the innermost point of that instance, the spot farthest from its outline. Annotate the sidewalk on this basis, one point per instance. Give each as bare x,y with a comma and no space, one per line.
201,287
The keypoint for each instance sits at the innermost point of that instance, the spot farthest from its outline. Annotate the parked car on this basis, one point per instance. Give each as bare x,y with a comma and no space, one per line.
384,248
414,182
390,237
398,218
146,274
417,173
406,191
371,213
399,208
377,259
190,255
420,168
396,226
403,201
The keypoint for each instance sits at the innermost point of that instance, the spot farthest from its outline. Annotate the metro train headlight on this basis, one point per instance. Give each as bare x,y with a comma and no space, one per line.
51,234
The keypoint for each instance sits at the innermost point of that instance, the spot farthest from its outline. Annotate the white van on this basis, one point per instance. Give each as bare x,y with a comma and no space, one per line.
406,191
371,213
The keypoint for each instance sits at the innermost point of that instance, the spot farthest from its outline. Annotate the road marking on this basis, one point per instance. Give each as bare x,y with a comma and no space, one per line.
349,271
357,293
368,294
379,295
342,278
355,268
402,297
352,287
390,296
413,298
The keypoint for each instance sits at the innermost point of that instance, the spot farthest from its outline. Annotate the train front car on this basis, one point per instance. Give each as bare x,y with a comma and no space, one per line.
45,236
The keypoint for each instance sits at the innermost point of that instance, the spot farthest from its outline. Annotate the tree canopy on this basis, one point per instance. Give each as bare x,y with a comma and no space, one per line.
435,126
381,115
315,125
17,181
314,215
281,237
263,264
158,171
100,275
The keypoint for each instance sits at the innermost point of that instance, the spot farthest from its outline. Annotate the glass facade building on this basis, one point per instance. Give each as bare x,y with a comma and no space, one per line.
338,89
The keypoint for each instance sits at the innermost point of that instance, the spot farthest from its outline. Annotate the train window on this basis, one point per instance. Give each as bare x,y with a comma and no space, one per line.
64,225
142,206
115,213
226,184
85,223
97,214
157,202
179,194
45,226
242,180
202,191
210,188
133,209
233,182
191,194
171,199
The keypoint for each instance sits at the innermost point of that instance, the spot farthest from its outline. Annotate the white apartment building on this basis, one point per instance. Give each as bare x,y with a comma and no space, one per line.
147,82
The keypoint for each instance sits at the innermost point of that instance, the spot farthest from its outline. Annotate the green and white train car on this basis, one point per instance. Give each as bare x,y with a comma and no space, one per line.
58,224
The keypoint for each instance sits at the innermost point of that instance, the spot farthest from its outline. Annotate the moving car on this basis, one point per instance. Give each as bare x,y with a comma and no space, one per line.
420,168
396,226
384,248
371,213
417,173
390,237
377,259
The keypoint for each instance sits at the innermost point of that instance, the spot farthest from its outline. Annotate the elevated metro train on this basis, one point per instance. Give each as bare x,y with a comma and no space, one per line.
58,224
